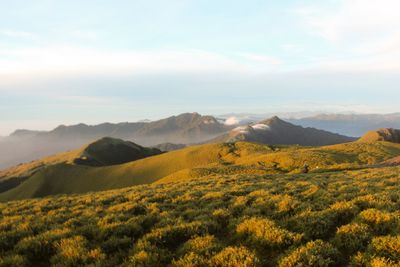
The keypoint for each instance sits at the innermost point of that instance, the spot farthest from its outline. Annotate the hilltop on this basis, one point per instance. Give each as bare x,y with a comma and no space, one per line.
384,134
277,131
110,151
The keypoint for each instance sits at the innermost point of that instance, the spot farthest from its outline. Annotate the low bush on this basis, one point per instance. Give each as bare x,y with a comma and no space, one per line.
235,256
353,237
315,253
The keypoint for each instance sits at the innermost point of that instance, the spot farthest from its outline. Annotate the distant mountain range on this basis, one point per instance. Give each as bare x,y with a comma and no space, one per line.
350,124
24,145
192,128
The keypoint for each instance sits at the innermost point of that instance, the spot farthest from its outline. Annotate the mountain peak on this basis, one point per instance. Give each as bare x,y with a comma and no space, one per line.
275,120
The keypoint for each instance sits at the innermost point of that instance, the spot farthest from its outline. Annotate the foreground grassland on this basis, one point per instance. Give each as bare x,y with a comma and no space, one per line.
318,219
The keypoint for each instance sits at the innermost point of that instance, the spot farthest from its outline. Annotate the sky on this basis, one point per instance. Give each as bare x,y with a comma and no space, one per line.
65,62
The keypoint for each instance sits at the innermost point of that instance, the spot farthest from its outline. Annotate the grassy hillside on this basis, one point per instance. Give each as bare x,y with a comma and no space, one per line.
198,161
103,152
319,219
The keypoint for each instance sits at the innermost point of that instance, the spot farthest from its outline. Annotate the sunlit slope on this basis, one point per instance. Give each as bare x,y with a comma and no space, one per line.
341,156
72,178
250,159
103,152
204,160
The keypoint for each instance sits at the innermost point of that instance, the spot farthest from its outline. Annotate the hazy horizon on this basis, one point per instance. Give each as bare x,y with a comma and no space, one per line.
37,126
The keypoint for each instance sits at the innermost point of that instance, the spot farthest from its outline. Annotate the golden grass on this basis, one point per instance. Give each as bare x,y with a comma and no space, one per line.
61,176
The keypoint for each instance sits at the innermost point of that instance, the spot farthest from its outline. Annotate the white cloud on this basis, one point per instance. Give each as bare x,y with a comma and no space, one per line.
366,32
242,129
261,58
260,127
18,34
353,20
232,121
85,35
292,48
69,59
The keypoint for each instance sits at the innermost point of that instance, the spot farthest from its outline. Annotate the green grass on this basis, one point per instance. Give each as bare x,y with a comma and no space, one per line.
336,218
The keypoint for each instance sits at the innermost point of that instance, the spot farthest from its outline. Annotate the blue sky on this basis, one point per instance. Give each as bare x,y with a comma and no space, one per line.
94,61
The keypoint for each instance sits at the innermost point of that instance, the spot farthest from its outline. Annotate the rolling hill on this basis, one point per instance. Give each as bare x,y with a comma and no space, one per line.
277,131
61,173
104,152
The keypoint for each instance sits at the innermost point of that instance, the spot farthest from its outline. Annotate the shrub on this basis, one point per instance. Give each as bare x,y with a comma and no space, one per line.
172,236
344,212
36,248
213,195
115,244
221,217
382,262
315,225
191,260
203,245
13,260
287,204
386,246
352,237
381,222
128,208
265,234
315,253
148,255
73,252
235,256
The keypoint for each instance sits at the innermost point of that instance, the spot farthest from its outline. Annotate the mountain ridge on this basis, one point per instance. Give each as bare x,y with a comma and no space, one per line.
184,128
277,131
